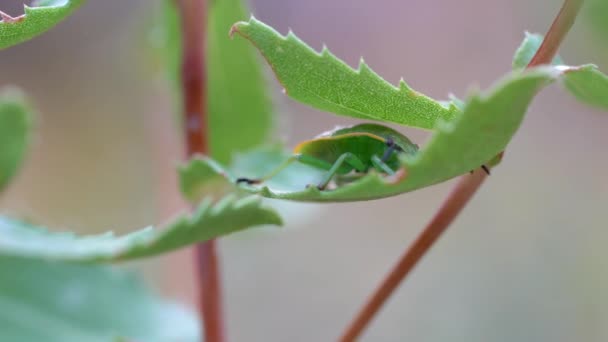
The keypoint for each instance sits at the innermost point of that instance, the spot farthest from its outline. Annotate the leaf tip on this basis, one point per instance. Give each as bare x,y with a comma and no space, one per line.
363,67
8,19
324,50
290,34
239,25
235,28
403,86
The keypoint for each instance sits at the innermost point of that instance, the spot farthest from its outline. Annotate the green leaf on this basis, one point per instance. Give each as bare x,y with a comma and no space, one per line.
237,91
170,49
323,81
35,21
527,49
237,88
204,175
595,12
207,222
201,179
15,122
588,85
475,137
58,302
585,82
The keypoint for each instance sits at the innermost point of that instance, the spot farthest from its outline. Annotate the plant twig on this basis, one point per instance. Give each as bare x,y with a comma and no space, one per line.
557,32
194,77
455,202
458,198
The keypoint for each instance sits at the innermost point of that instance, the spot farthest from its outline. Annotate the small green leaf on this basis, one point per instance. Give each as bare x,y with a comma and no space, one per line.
527,49
237,88
323,81
58,302
588,85
15,121
475,137
35,21
207,222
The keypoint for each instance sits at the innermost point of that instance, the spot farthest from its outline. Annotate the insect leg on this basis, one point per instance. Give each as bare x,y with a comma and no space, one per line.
347,158
485,168
381,166
392,147
312,161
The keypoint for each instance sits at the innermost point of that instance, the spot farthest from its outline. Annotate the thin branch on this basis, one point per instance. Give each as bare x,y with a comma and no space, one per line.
458,198
455,202
194,78
557,32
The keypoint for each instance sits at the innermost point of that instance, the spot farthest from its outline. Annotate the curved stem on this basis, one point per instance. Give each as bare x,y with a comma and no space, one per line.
557,32
458,198
194,78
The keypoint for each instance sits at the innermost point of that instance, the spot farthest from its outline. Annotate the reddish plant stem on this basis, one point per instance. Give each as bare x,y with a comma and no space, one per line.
557,32
458,198
194,80
455,202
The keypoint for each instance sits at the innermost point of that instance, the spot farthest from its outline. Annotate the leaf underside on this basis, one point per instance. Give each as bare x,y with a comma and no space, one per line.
35,21
475,137
208,221
59,302
15,122
323,81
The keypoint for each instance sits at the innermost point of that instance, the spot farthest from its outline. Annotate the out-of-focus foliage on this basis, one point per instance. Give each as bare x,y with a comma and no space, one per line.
58,302
207,222
323,81
595,14
588,85
15,122
35,21
240,111
237,91
170,48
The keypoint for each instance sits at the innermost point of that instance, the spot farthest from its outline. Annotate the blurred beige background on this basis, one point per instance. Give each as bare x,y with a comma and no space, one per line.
526,261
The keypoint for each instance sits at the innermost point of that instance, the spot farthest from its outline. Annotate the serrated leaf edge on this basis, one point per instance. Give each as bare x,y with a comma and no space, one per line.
133,245
362,70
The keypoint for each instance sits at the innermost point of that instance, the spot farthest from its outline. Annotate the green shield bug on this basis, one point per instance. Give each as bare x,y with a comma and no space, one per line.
358,148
